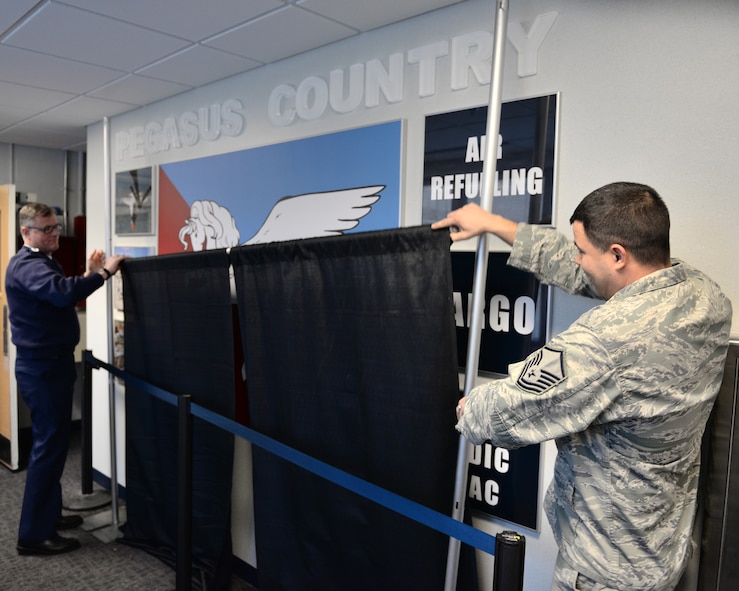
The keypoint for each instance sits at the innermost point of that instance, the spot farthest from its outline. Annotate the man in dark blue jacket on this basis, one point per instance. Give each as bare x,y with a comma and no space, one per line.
45,330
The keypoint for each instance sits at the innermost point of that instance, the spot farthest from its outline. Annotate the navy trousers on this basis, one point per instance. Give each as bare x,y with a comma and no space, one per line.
47,386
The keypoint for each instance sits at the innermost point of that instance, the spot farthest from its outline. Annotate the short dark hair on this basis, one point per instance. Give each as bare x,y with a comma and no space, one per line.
629,214
30,211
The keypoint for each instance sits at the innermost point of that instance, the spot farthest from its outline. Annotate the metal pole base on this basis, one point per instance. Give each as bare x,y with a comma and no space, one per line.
103,526
97,499
108,534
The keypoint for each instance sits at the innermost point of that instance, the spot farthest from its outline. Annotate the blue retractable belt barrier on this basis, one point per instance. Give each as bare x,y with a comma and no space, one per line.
509,565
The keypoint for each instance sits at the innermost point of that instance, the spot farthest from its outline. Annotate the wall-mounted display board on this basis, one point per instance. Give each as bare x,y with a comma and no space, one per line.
505,483
134,202
455,150
514,313
502,483
319,186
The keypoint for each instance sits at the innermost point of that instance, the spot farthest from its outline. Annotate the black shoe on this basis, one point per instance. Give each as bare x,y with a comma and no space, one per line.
56,545
68,522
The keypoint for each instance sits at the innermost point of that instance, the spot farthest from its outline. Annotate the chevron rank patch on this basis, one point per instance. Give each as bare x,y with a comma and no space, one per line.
542,370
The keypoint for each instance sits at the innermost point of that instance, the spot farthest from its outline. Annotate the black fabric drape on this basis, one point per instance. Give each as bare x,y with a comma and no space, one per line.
178,335
351,357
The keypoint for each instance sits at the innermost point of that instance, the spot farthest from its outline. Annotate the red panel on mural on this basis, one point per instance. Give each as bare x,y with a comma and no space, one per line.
173,213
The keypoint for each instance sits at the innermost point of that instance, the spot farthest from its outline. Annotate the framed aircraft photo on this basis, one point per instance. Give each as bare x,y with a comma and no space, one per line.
134,202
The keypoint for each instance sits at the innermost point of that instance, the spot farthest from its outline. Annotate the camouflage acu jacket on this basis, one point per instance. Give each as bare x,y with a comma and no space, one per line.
625,392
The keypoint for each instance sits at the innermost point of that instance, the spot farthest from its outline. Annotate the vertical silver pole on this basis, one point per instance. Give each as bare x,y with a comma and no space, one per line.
65,196
480,273
109,321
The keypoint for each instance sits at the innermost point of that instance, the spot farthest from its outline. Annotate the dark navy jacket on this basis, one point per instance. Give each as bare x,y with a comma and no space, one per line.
42,303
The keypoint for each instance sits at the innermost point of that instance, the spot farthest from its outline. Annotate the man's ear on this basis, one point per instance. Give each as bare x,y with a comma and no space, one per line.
619,254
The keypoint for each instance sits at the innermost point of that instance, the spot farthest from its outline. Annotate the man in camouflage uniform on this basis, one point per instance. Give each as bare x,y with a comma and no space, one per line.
625,391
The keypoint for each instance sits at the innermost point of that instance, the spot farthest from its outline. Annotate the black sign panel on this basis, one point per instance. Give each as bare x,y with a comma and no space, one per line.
514,315
505,483
456,147
501,483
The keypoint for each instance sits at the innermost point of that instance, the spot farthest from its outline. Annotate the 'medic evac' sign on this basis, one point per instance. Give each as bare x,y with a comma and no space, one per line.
504,483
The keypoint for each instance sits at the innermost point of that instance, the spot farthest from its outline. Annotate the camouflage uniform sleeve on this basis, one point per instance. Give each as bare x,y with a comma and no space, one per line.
558,390
550,256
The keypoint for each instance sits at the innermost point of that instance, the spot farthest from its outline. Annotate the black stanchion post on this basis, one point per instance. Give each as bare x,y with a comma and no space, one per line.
184,494
88,498
86,427
510,549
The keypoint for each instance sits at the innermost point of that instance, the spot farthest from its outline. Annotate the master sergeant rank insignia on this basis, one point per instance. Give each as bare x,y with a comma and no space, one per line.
542,370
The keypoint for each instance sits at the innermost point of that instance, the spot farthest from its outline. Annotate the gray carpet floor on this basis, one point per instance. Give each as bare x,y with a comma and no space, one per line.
100,565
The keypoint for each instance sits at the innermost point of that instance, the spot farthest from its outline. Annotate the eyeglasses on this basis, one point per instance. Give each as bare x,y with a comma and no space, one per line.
47,229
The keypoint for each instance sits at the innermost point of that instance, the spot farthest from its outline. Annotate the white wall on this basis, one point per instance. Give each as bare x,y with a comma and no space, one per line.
54,177
647,92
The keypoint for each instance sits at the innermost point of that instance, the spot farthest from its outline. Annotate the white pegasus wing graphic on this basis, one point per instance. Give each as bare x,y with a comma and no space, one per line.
313,215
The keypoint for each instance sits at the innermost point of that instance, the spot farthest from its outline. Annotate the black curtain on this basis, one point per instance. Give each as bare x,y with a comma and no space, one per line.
351,357
178,335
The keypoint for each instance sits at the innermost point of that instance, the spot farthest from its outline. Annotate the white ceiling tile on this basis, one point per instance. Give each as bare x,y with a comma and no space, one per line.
80,112
56,128
43,137
9,117
12,10
194,20
26,100
45,131
114,44
198,65
138,90
46,71
366,16
281,34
